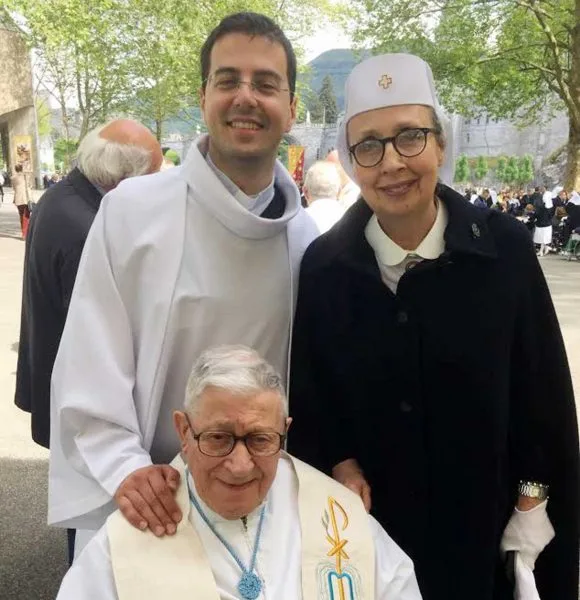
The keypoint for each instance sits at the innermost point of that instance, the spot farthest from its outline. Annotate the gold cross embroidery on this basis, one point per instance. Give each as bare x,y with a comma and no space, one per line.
385,82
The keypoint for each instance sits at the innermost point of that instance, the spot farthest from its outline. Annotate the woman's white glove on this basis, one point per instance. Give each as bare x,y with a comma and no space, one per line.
527,534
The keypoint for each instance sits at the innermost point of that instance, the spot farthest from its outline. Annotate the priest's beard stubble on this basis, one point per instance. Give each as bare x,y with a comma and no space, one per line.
251,171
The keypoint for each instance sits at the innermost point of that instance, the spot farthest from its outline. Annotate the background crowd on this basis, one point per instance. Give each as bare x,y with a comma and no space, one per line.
552,217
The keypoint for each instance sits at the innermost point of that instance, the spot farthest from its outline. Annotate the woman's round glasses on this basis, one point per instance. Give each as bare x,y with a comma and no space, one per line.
408,143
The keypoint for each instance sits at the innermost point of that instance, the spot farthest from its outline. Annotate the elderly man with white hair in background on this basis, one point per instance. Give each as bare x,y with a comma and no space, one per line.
321,189
258,523
349,190
58,229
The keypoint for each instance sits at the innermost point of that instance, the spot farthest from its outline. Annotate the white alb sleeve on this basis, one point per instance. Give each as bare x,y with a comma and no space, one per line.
94,373
394,571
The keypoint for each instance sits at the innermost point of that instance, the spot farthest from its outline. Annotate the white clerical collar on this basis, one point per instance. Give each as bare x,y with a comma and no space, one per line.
389,253
214,517
256,204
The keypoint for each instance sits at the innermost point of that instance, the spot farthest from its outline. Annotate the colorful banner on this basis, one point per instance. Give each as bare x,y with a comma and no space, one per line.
296,163
23,152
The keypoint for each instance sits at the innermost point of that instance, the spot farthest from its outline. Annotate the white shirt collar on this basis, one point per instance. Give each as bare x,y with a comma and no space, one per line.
255,204
389,253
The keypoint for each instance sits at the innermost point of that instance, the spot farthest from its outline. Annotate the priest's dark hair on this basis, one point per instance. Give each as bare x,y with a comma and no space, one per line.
252,25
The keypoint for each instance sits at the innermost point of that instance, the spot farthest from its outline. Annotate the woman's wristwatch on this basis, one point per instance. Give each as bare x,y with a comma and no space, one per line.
533,489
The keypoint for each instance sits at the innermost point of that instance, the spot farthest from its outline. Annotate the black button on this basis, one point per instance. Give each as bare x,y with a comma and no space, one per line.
402,317
405,407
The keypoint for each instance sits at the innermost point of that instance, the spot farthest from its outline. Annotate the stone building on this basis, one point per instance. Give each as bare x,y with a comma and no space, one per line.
17,113
482,136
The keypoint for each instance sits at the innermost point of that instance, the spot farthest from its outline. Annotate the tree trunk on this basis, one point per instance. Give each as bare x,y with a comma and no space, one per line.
158,129
84,125
572,180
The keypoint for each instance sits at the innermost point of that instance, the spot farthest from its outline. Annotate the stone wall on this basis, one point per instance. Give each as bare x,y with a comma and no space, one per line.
488,137
483,136
17,113
475,137
16,80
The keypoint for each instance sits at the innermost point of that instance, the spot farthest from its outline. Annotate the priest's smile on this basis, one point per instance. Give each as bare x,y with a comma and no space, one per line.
245,124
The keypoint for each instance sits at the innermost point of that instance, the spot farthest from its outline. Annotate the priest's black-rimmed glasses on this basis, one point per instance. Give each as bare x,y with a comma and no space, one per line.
407,143
218,444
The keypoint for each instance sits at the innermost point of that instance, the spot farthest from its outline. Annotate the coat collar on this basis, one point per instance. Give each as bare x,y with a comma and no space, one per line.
84,188
467,232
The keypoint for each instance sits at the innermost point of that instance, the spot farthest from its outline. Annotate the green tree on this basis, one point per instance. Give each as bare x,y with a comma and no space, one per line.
172,156
43,117
328,101
316,110
481,168
137,57
525,169
64,151
82,50
500,169
512,172
517,59
462,170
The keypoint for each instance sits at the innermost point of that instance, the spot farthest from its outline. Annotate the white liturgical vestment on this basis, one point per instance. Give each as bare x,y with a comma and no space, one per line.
317,542
172,266
325,212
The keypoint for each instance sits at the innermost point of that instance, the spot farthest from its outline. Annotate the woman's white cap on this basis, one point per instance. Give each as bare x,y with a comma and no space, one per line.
392,80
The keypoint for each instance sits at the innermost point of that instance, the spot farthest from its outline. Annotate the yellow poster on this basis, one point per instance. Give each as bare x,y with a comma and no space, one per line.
296,162
23,152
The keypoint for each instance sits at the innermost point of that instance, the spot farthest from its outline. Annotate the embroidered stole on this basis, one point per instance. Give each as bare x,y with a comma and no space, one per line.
338,560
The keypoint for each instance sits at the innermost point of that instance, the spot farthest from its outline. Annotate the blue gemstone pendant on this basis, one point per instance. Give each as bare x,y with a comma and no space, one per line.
250,586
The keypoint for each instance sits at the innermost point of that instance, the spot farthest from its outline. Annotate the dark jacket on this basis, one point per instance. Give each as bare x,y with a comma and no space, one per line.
573,211
447,393
543,216
58,228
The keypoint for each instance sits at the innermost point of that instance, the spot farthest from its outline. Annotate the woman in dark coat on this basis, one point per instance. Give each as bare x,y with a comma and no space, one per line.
408,382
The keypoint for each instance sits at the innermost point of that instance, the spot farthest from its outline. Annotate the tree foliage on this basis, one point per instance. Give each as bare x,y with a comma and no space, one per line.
328,101
43,117
64,151
512,171
517,59
462,170
481,168
500,169
139,57
525,169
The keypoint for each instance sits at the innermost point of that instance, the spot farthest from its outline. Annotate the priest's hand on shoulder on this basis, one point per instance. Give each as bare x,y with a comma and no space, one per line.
349,473
146,499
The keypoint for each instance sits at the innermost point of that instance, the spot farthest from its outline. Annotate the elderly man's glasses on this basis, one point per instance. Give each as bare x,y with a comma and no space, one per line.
408,143
264,86
222,443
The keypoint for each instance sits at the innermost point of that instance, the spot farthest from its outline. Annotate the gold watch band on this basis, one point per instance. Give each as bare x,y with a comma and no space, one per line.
533,489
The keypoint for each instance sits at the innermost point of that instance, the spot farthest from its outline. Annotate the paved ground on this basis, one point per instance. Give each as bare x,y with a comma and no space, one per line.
33,556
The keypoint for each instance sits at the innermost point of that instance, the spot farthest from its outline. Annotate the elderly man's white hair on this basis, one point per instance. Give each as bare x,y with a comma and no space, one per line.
322,181
236,369
106,162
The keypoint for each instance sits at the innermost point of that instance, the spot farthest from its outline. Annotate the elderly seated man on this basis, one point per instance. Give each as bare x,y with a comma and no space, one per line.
257,523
